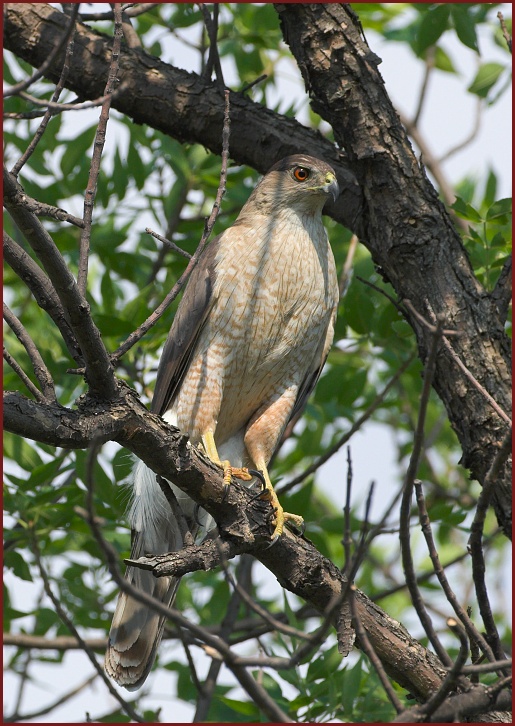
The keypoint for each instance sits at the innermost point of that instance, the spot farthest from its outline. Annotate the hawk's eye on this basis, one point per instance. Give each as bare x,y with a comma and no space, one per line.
301,173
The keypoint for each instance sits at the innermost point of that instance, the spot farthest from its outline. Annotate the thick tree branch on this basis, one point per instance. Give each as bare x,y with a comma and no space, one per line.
174,101
407,229
298,566
99,371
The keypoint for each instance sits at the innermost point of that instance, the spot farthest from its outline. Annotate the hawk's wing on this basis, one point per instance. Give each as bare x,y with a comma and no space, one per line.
191,315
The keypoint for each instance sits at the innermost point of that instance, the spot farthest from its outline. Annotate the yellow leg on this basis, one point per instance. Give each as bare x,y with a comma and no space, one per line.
280,515
208,441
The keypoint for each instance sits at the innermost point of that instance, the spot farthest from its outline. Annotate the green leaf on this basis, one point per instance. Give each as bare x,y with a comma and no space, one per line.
443,61
486,77
20,451
465,26
14,561
500,209
466,211
432,25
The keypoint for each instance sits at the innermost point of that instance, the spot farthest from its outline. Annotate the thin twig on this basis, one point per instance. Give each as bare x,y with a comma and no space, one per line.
404,529
460,364
355,427
179,516
468,139
152,319
48,114
17,717
487,667
366,647
475,545
429,61
506,34
461,613
213,60
23,376
227,627
49,60
168,243
41,371
98,147
451,679
476,383
346,275
71,627
347,534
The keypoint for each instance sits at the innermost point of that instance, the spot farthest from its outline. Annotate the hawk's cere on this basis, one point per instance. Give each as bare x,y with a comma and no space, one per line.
245,350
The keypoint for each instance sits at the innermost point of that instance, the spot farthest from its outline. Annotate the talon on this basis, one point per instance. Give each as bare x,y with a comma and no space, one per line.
259,475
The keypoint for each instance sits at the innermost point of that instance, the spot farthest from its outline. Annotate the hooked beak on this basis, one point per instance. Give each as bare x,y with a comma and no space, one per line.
332,187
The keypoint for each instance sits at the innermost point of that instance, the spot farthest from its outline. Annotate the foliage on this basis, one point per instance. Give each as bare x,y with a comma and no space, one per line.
150,180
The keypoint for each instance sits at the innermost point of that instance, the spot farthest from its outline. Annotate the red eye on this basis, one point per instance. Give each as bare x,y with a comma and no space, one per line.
301,173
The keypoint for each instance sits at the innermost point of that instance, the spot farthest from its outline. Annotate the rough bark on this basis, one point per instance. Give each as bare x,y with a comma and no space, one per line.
240,523
408,231
173,100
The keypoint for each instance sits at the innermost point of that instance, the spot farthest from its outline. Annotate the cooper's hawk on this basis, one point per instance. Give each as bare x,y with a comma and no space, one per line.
246,347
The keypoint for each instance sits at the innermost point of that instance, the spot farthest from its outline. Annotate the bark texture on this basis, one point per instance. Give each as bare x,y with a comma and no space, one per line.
408,231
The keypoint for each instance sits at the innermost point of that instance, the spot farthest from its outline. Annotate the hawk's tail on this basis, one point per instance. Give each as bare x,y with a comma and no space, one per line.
136,630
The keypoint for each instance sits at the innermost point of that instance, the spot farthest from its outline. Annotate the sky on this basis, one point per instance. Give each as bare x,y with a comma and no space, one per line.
447,119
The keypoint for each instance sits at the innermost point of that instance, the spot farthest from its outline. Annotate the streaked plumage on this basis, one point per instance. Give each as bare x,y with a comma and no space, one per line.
245,350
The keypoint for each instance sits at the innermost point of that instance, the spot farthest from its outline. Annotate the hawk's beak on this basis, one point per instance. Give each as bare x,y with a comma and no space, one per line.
332,187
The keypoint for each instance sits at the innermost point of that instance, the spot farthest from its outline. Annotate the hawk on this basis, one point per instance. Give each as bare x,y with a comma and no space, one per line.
246,347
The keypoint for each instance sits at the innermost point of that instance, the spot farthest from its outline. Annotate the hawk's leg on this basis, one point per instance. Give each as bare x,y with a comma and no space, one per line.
208,441
281,517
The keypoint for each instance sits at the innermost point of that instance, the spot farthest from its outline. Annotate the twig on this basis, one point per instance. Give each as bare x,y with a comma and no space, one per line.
49,61
404,530
429,61
168,243
152,319
347,534
98,147
48,114
23,376
17,717
420,578
476,548
451,679
507,36
425,524
466,141
71,627
58,107
383,292
213,60
131,10
346,275
262,612
461,366
366,647
47,210
355,427
41,371
487,667
227,627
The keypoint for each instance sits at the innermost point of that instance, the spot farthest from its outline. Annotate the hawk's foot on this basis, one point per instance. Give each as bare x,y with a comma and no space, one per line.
281,517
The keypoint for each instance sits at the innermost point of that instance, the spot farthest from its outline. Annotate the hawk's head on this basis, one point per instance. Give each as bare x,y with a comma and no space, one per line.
301,182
